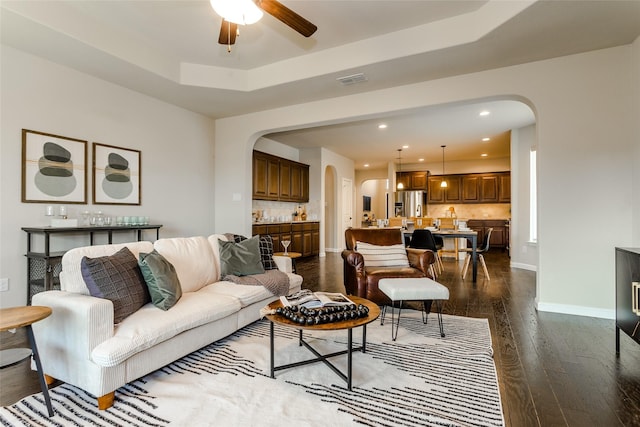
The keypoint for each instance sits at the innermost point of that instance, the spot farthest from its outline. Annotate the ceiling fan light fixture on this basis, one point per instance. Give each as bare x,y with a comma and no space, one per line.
242,12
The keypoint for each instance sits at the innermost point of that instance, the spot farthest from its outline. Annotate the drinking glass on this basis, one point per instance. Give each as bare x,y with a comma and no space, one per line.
286,244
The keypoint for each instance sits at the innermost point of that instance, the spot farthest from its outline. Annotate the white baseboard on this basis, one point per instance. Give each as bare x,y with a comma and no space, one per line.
523,266
576,310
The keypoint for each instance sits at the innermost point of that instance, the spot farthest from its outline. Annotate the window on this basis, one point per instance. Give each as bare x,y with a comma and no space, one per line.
533,199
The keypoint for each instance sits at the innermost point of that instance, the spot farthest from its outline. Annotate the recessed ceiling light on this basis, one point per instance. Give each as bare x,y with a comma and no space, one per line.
483,155
484,113
366,165
382,126
486,139
421,160
404,147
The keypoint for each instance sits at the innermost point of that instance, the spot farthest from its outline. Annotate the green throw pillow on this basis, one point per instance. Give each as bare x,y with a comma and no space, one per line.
162,280
240,259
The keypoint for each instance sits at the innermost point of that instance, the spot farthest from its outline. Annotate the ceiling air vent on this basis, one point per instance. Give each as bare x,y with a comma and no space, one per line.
352,79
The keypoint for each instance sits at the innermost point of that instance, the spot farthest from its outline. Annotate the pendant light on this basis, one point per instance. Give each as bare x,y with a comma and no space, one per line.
400,185
443,184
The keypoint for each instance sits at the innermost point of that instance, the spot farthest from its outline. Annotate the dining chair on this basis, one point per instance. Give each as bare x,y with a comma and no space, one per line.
423,239
483,249
447,223
396,221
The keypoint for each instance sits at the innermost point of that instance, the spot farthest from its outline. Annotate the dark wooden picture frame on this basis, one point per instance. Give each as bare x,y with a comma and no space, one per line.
116,175
54,168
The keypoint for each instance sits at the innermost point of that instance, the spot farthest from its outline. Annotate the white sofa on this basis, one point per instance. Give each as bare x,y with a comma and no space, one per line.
80,345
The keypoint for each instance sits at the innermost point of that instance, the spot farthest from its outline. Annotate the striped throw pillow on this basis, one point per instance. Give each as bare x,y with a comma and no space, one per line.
383,256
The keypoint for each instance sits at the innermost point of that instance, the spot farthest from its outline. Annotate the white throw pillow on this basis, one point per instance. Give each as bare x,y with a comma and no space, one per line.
383,256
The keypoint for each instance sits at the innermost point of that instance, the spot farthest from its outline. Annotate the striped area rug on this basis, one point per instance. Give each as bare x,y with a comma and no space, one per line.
418,380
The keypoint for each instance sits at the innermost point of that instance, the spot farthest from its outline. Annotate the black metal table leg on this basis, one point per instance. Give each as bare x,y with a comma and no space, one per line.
36,358
271,349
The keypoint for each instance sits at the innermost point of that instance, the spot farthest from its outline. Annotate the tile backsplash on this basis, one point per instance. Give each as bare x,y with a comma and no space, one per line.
280,210
472,211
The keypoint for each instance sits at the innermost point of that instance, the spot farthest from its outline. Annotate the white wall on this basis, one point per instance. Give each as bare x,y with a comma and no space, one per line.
176,153
583,103
524,254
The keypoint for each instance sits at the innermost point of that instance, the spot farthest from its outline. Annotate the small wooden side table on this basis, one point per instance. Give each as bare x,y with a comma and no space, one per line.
17,317
292,255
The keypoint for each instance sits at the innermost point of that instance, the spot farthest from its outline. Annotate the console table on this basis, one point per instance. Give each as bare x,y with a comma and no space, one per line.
43,266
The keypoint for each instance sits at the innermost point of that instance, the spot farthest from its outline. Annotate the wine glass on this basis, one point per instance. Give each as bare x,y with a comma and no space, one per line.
286,244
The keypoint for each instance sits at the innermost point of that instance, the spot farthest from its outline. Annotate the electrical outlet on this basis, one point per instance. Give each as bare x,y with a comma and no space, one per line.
4,284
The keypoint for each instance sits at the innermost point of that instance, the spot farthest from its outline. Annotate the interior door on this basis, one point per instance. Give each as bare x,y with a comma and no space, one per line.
347,204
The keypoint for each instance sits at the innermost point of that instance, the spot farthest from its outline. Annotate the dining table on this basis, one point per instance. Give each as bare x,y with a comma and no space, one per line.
460,234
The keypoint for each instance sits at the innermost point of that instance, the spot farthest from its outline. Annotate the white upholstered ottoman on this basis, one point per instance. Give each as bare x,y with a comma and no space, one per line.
413,289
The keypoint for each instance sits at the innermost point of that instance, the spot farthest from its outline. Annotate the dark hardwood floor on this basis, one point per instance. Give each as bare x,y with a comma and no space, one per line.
553,369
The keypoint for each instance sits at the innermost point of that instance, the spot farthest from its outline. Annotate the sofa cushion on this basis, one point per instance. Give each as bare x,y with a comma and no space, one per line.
266,253
161,278
150,326
240,259
192,258
266,250
71,279
116,278
383,256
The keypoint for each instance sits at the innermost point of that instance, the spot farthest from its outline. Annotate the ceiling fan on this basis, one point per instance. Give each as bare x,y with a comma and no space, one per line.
235,12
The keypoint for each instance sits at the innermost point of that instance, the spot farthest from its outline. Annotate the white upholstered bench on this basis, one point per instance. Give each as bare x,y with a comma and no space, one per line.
413,289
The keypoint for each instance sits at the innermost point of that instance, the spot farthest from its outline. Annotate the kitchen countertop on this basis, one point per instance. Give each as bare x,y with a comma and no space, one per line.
284,222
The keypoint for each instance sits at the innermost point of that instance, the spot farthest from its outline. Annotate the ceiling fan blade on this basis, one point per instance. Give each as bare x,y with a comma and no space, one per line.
228,31
287,16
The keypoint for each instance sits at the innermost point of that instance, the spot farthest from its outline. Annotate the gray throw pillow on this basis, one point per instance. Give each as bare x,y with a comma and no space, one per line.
161,279
240,259
116,278
266,250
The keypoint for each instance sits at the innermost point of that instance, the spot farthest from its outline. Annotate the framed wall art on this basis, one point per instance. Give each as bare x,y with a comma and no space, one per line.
54,168
116,175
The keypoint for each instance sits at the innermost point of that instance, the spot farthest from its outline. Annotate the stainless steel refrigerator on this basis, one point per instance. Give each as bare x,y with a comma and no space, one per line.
411,203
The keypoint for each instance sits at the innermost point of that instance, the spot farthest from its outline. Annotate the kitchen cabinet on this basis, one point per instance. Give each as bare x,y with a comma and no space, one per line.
449,194
275,178
285,181
435,193
266,176
304,236
471,188
489,188
499,235
504,188
413,180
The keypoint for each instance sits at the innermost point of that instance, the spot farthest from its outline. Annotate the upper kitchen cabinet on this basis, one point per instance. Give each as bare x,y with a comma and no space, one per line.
414,180
471,188
266,176
435,193
448,194
275,178
504,187
489,188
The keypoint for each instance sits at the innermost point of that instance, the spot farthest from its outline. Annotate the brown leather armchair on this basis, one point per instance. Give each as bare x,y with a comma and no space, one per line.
362,281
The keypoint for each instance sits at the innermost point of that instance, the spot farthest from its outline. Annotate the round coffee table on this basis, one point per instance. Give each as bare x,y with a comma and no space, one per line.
374,312
17,317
